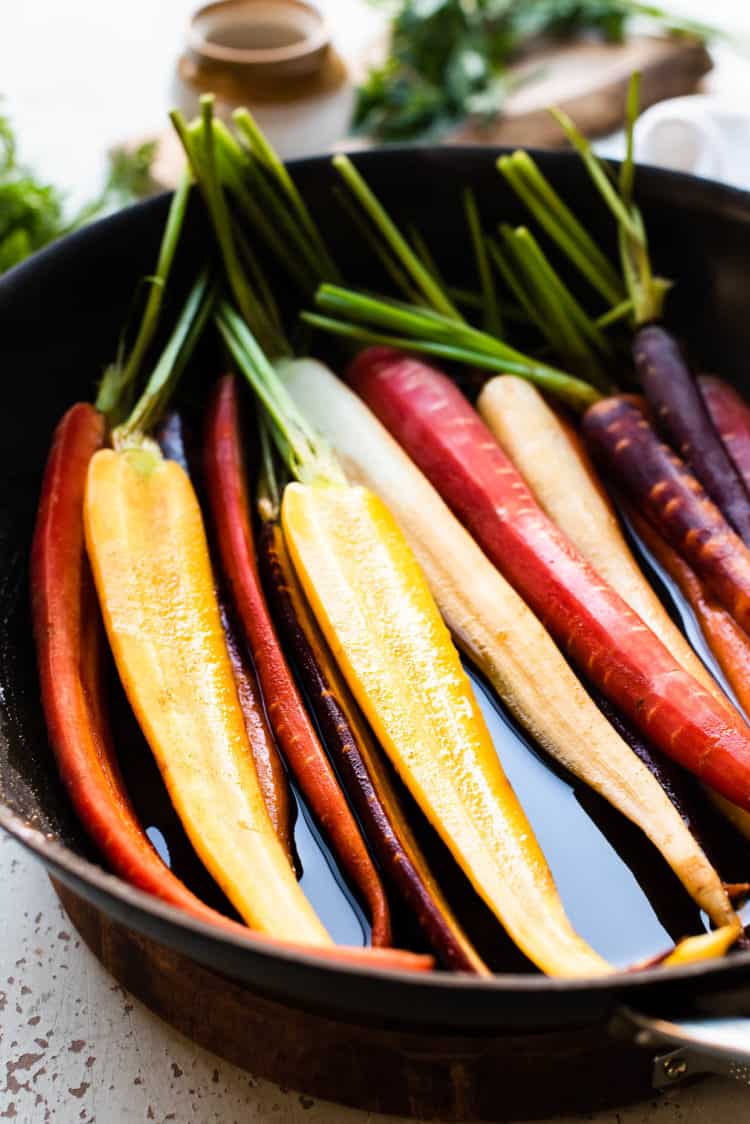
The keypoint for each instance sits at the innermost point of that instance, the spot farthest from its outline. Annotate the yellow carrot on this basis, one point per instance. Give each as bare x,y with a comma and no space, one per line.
557,469
707,946
378,616
148,550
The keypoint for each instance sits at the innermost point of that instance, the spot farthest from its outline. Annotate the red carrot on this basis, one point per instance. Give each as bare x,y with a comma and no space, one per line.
69,638
659,485
272,777
681,416
229,506
610,643
730,413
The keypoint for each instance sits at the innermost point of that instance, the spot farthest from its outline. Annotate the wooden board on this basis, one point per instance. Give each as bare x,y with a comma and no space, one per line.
587,79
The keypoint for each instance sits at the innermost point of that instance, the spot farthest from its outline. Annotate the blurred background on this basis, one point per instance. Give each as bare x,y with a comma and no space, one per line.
79,79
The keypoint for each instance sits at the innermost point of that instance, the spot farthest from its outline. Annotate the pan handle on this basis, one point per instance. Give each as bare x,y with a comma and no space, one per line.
689,1047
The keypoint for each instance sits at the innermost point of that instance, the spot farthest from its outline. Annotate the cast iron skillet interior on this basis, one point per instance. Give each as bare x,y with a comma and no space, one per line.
60,316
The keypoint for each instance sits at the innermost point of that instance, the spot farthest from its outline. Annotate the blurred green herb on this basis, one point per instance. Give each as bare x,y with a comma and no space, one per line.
33,213
448,59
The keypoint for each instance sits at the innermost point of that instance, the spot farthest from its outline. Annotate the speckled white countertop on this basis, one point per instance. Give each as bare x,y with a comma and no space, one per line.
73,1045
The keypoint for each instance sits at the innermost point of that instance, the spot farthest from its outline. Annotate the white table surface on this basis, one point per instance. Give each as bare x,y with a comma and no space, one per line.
73,1045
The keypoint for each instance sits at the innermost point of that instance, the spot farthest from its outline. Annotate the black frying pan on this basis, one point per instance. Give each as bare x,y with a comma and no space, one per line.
60,315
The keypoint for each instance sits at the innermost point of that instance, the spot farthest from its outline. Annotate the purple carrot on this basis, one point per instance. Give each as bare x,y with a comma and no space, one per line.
730,413
663,489
681,417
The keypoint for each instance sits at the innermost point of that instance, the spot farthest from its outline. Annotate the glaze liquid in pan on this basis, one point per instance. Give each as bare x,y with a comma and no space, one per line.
618,891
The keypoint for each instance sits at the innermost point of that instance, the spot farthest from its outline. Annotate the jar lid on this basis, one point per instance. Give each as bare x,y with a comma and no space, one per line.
259,40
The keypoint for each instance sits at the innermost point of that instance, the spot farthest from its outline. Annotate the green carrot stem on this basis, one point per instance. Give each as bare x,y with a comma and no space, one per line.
467,297
385,312
554,326
569,307
428,286
573,392
306,455
260,203
268,492
260,280
265,153
419,242
646,291
559,222
390,265
620,312
121,376
627,168
517,284
171,364
199,144
420,323
598,171
492,319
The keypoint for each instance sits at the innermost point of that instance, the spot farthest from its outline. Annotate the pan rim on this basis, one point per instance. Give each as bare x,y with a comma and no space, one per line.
73,867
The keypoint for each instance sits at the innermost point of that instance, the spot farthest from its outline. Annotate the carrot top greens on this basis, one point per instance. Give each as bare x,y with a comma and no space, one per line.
116,387
645,291
170,365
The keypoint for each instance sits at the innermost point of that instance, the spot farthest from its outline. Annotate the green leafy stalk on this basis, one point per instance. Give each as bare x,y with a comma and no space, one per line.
492,319
558,221
170,366
198,140
259,203
120,377
268,492
419,242
428,332
422,277
646,292
390,265
517,284
302,450
264,152
571,391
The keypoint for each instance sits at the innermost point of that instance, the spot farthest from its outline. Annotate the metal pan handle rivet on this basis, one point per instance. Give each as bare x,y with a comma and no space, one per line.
719,1046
